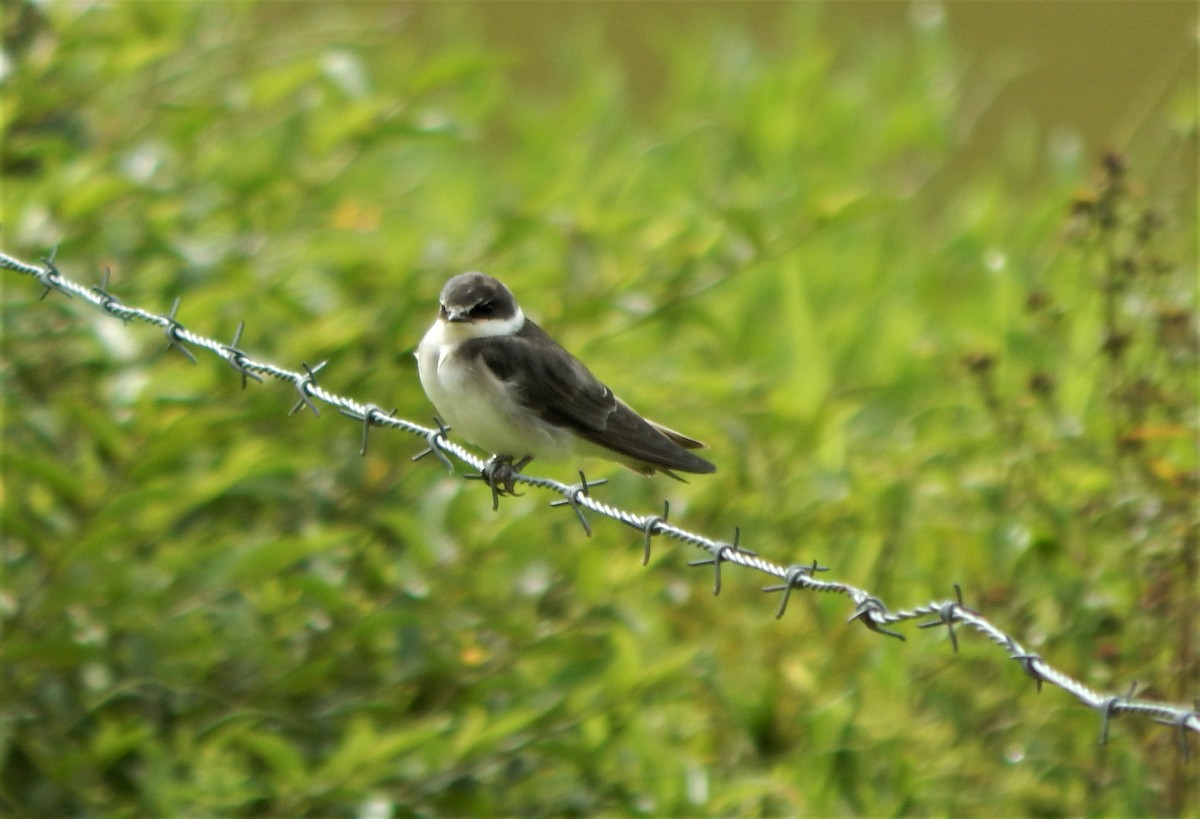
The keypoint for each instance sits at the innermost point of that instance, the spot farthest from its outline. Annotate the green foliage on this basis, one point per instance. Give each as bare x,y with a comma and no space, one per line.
916,373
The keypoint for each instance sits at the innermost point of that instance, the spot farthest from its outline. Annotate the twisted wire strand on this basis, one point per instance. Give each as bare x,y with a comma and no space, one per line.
869,609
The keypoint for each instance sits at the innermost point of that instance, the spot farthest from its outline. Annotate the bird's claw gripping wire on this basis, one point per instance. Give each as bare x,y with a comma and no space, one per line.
500,474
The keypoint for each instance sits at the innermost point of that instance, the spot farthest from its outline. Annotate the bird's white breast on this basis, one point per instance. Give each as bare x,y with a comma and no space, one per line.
477,405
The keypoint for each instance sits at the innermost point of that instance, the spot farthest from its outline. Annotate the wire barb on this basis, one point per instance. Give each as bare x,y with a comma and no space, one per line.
572,499
1029,664
236,358
947,614
869,609
1111,707
50,277
107,300
1180,723
871,612
433,440
650,529
721,556
796,575
369,417
173,331
304,387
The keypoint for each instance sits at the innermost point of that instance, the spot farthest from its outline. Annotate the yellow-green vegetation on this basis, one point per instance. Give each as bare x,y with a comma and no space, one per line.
917,364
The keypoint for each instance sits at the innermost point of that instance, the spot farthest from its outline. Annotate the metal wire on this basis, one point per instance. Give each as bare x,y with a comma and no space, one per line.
868,609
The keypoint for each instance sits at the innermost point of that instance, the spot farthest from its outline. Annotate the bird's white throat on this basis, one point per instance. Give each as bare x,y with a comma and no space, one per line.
456,332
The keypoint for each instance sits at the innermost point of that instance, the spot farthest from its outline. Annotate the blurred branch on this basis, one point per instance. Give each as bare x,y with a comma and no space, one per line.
868,609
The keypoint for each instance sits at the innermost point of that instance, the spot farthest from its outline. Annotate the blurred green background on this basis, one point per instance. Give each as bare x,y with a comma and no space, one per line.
923,275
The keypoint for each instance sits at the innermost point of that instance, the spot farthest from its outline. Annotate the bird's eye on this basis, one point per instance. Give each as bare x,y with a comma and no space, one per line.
483,309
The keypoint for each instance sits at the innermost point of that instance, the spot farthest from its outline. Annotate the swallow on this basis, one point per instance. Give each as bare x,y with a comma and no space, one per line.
503,384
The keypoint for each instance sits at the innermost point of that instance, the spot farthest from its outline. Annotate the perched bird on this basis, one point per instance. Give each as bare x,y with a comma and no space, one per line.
501,382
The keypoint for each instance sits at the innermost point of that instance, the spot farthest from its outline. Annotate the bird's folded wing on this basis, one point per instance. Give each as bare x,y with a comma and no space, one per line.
552,383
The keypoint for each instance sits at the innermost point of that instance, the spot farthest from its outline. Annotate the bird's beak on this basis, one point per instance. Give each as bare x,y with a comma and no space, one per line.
454,314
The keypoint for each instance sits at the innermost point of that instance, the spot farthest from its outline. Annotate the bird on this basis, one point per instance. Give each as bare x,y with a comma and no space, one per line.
502,383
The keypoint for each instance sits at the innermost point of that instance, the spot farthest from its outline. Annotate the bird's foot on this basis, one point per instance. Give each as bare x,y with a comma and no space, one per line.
500,473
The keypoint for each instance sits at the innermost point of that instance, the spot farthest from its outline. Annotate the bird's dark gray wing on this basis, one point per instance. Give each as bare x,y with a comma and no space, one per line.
552,383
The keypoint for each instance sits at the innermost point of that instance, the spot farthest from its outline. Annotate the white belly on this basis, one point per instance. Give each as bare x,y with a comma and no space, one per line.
477,407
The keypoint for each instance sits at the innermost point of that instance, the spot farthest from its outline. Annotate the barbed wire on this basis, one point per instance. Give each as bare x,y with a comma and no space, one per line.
868,609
